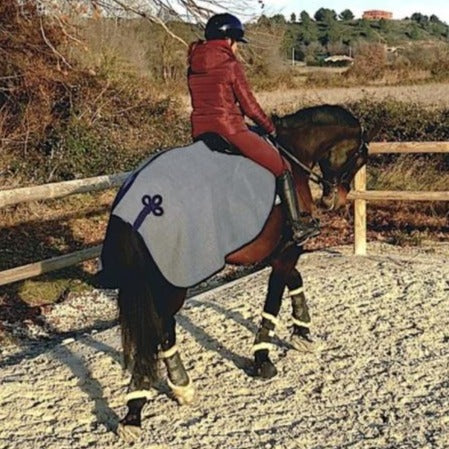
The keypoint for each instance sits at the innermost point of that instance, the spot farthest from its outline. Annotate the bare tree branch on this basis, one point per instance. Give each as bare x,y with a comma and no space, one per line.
149,17
51,46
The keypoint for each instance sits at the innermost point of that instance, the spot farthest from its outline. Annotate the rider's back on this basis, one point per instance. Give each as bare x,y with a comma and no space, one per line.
217,82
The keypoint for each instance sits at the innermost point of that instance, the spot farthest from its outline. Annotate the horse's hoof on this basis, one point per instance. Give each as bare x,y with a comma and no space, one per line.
302,343
265,370
185,395
128,432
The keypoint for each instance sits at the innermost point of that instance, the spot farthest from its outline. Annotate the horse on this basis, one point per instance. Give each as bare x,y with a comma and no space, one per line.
329,136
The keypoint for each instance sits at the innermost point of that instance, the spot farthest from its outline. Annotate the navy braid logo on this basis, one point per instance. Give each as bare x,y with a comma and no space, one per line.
151,205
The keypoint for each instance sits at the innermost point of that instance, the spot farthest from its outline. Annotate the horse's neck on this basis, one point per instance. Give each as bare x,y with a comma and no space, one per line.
323,140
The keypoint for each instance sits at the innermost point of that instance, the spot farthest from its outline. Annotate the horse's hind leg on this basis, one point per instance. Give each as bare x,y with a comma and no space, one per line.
129,428
178,380
282,267
300,312
139,390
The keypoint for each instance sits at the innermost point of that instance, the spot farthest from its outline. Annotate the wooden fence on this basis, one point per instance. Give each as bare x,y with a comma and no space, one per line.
62,189
360,195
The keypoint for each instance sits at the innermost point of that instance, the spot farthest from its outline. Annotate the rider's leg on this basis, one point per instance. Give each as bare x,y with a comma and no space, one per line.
259,150
302,224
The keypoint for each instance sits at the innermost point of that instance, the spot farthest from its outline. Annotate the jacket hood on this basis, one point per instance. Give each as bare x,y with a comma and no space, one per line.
206,55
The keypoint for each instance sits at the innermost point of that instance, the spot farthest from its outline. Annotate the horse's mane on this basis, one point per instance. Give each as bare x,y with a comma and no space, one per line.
324,115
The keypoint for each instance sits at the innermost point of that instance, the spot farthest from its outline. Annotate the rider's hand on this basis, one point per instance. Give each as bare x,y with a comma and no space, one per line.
272,136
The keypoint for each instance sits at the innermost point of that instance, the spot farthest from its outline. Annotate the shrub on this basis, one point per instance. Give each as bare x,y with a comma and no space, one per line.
34,75
370,62
407,122
60,120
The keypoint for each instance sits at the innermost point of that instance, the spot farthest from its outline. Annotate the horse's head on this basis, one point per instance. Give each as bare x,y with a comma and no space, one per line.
340,165
332,137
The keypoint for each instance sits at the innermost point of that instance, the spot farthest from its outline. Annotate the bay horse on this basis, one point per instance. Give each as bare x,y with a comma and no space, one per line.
329,136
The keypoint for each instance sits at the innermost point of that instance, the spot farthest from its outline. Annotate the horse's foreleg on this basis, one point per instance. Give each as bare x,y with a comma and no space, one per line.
282,266
264,367
300,312
178,379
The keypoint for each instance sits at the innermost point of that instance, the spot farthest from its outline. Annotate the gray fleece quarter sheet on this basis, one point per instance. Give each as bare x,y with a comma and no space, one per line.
194,206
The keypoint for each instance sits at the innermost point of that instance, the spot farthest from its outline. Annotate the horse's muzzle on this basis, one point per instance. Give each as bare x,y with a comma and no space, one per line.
335,198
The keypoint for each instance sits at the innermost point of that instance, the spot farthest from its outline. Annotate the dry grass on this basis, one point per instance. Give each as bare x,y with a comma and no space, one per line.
286,101
409,173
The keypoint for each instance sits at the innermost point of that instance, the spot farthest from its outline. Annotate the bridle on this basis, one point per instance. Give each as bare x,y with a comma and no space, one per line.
344,171
341,174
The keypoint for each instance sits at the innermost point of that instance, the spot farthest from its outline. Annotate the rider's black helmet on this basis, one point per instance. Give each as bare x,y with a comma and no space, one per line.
222,26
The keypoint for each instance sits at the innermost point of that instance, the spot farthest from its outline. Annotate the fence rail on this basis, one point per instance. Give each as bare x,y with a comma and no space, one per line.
48,265
408,147
360,195
62,189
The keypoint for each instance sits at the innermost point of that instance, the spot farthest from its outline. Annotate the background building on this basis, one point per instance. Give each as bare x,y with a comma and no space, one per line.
376,14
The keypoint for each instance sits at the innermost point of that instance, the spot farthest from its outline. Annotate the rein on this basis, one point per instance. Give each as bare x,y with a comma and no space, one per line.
315,177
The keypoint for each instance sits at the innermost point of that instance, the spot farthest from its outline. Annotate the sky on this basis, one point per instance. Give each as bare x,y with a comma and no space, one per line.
399,8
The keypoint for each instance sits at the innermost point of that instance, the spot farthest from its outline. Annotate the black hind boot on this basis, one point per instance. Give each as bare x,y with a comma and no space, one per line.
303,225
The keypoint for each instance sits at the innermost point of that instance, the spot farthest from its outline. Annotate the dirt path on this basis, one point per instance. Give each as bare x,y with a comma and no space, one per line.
378,379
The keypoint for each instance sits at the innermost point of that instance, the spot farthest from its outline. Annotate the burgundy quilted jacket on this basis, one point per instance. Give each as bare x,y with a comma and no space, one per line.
220,93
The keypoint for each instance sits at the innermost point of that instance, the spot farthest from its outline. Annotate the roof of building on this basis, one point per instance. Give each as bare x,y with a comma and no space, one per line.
338,58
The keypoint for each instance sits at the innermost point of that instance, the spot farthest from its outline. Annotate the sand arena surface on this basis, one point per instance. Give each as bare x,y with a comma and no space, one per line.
378,378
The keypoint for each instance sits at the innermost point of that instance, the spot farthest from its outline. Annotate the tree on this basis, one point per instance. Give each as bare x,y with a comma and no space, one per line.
156,11
385,25
308,29
308,33
325,15
304,17
434,19
313,53
291,40
346,15
263,20
293,17
278,19
420,18
414,32
334,33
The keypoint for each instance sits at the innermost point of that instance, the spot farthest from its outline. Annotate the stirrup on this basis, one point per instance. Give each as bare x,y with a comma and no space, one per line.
301,232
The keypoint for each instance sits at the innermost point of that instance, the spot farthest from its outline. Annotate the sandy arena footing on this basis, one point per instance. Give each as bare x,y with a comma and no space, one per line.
377,379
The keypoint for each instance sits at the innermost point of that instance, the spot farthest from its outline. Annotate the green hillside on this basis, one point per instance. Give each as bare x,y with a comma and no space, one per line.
327,33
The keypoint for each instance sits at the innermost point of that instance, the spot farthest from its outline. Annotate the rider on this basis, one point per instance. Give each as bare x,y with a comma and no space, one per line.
221,97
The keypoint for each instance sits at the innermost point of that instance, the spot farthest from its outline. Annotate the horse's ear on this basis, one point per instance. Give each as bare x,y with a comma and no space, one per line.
368,135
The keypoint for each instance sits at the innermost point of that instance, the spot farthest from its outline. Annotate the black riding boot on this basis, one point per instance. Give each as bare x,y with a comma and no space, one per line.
303,225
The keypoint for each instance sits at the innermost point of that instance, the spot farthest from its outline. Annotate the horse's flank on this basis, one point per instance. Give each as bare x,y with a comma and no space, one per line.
265,243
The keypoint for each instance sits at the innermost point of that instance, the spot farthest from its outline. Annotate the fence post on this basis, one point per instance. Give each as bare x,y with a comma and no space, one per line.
360,214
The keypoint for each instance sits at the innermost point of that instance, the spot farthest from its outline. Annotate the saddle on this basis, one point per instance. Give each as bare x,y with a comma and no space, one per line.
216,142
